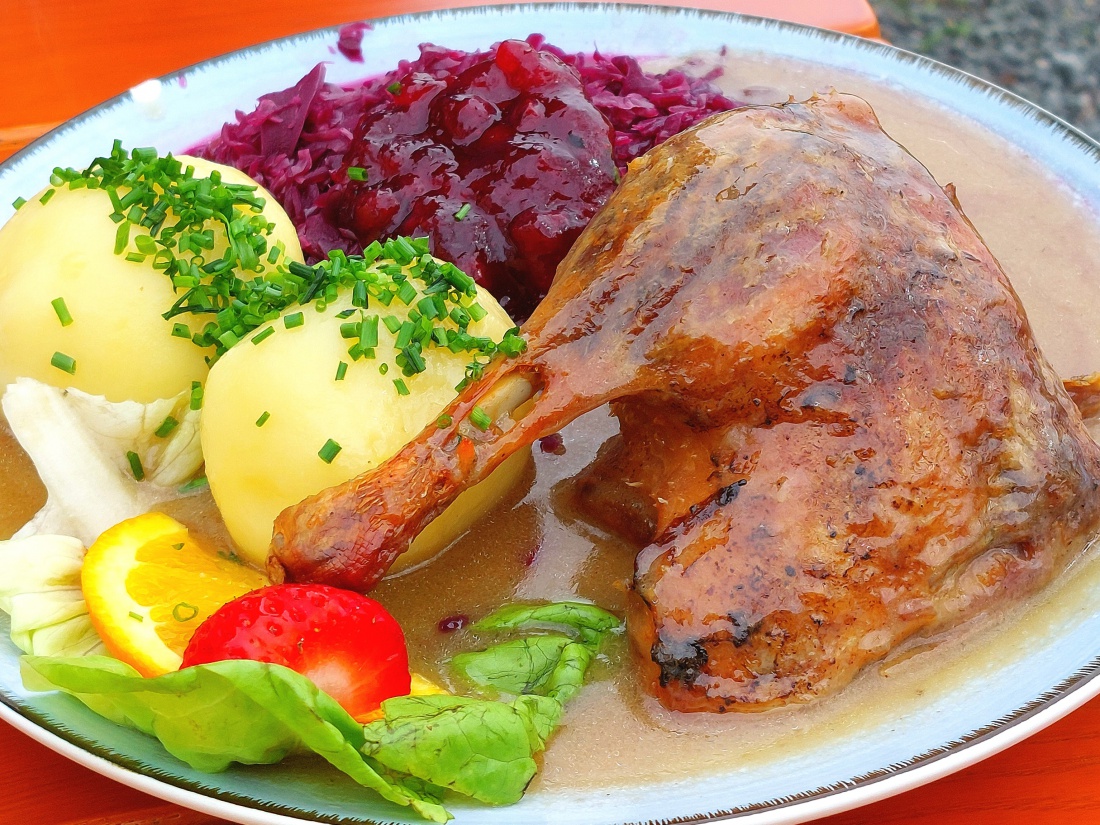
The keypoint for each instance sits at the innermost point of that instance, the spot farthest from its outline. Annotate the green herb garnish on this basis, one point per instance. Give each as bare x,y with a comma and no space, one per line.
65,363
135,465
166,427
329,451
184,612
62,311
194,484
263,335
480,419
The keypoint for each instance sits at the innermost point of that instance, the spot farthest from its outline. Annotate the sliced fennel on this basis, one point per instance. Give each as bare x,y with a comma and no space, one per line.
79,445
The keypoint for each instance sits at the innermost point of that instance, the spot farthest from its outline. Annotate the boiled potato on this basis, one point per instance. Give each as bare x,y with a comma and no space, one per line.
122,346
288,382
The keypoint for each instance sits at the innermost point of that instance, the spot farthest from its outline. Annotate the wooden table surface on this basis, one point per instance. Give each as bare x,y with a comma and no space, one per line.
59,57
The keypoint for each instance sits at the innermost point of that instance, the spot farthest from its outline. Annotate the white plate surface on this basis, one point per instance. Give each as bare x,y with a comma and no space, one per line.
1050,673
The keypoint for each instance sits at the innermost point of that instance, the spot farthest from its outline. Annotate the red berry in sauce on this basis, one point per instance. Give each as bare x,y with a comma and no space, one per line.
453,623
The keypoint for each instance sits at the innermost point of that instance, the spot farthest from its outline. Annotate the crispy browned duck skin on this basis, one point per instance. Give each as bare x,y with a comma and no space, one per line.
831,402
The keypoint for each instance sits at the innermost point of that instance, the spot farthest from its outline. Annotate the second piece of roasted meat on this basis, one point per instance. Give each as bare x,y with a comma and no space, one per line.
837,430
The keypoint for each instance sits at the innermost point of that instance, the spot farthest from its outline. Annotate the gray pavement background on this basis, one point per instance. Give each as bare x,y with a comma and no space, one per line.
1047,51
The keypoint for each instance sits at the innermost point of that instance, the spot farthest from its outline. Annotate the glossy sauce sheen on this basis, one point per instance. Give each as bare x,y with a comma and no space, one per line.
535,546
510,142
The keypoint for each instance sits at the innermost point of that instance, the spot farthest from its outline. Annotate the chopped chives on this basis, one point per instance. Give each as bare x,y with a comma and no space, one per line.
394,87
178,545
62,311
383,368
135,465
443,421
512,343
263,335
414,359
368,334
404,251
122,237
194,484
427,307
65,363
406,293
263,418
172,220
402,388
341,370
405,335
166,427
46,196
18,203
137,617
184,612
329,451
359,294
196,395
480,419
477,311
228,339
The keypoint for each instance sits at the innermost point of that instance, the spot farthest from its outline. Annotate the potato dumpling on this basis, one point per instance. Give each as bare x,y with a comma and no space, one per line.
270,408
121,345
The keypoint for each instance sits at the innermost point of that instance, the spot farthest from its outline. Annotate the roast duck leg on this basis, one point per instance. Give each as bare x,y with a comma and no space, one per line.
837,431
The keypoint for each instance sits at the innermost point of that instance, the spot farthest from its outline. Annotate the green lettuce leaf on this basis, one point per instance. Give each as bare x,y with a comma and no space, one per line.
210,716
482,748
253,713
479,748
591,624
548,664
551,665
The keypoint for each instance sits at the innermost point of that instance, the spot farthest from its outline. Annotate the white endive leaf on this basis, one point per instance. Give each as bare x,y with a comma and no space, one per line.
40,590
79,445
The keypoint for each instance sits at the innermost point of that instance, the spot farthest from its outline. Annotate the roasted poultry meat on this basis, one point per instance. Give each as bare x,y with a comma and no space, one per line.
837,431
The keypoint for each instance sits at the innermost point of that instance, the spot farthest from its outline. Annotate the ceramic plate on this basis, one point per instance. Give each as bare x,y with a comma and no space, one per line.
1037,666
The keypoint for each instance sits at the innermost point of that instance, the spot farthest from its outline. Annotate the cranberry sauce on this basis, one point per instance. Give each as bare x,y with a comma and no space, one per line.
501,165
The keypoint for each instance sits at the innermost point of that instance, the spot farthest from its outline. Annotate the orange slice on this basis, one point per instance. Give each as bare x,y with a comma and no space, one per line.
149,585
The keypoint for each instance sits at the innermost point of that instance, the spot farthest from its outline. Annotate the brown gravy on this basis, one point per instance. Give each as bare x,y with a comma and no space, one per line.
534,546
